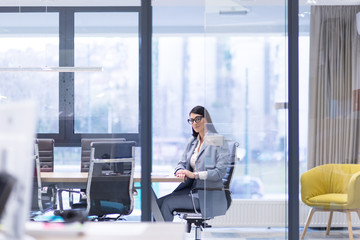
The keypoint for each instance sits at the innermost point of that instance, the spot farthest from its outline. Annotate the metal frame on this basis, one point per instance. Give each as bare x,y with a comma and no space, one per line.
38,178
145,89
293,115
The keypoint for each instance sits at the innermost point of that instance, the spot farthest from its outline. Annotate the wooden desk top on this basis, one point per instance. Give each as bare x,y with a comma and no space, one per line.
81,177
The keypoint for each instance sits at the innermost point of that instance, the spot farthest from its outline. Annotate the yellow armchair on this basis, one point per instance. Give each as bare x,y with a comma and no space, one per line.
331,187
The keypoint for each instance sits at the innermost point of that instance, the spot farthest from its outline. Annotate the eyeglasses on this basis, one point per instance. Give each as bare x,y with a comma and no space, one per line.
196,119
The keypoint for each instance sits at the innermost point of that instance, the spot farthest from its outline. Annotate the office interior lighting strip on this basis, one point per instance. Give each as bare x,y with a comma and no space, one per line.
52,69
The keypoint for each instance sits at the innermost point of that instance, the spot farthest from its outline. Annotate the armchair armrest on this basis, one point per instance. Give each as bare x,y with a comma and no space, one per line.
313,183
354,191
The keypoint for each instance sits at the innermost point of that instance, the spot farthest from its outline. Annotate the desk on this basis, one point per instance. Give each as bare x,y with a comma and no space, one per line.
79,180
105,230
58,177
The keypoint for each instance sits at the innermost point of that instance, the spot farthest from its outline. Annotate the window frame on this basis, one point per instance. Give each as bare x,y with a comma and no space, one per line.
66,137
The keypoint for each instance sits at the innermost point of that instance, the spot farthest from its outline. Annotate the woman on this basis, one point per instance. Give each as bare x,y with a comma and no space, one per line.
202,166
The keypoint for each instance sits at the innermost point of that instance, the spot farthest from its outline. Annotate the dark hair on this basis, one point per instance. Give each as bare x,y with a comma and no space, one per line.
203,112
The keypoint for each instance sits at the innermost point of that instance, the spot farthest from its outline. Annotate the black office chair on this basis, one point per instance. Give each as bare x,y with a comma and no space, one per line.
110,182
45,153
43,197
86,149
7,184
85,157
194,217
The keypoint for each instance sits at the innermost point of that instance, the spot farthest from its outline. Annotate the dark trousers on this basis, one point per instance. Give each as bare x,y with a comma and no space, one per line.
177,200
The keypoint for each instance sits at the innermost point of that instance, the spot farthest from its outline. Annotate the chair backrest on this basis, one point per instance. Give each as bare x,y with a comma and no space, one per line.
86,150
111,177
43,199
7,182
44,149
43,162
229,173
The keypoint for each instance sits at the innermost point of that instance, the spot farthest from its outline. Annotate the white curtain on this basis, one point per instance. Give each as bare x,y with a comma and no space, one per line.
334,86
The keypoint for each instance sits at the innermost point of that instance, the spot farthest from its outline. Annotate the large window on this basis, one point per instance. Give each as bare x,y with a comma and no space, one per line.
30,40
85,101
108,101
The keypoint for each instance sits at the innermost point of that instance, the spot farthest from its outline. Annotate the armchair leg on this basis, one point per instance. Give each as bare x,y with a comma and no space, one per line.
349,224
358,212
329,223
311,213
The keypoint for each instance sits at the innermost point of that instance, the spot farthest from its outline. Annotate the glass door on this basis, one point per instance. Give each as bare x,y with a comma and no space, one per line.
329,112
245,50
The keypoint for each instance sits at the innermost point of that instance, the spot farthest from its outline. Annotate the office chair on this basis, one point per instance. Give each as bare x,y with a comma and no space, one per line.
110,182
7,183
86,149
194,217
44,197
332,188
46,154
85,157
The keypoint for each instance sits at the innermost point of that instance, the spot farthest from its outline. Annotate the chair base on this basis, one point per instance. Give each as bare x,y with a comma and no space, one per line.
72,215
106,218
195,219
347,211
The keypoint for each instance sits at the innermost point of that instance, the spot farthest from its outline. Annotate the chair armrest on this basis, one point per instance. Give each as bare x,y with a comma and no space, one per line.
208,189
60,191
354,191
204,189
313,184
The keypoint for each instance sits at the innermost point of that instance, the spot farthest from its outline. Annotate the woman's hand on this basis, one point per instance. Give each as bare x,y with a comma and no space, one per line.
183,173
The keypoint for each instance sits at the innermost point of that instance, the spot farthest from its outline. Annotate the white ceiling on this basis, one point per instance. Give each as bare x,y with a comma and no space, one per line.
182,15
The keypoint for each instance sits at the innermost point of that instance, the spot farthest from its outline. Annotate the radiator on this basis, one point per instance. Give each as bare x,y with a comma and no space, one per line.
273,213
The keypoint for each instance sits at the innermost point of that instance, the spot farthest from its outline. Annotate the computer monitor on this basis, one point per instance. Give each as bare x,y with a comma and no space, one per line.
17,133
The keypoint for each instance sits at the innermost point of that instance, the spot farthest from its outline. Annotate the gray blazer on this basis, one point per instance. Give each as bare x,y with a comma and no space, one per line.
214,160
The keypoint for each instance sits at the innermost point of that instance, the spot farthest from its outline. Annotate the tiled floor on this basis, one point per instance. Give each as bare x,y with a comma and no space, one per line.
269,233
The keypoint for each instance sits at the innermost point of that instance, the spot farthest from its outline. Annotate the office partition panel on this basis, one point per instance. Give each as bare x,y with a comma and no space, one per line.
82,64
328,100
246,55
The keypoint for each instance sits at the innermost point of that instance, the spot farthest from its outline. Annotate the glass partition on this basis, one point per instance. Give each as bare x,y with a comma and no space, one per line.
231,59
178,80
81,66
329,116
245,90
